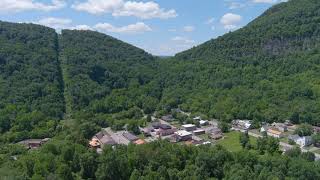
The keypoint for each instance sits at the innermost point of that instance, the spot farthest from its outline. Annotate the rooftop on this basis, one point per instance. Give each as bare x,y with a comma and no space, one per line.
188,125
183,133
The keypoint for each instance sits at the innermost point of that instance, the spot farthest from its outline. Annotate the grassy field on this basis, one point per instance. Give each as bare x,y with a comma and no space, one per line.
232,143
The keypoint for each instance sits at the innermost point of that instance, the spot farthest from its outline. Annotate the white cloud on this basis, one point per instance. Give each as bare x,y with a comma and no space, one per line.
56,23
143,10
81,27
188,28
269,1
183,40
236,5
15,6
139,27
172,30
230,21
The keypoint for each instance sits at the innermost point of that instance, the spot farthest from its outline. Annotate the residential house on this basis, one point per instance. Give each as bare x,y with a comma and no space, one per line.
167,118
316,129
147,131
189,127
107,140
33,143
130,137
275,133
165,126
241,124
301,141
280,127
264,128
199,132
203,122
156,125
166,132
183,135
140,142
197,118
215,133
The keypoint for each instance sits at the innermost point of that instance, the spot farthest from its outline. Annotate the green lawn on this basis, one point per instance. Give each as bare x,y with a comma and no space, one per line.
232,143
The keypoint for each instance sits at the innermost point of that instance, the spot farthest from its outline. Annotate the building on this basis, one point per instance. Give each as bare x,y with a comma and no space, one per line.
301,141
189,127
198,118
280,127
147,131
316,129
203,122
165,126
156,125
167,118
183,135
140,142
166,132
199,132
215,133
33,143
107,140
264,128
274,133
130,136
241,124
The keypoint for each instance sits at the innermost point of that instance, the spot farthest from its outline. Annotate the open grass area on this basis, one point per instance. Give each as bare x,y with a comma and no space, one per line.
232,143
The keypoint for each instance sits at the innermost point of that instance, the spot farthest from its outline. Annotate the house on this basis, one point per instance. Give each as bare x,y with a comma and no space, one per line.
183,135
140,142
274,133
107,140
280,126
33,143
215,133
199,132
203,122
264,128
166,132
197,118
316,129
156,125
301,141
130,136
147,131
189,127
242,124
165,126
167,118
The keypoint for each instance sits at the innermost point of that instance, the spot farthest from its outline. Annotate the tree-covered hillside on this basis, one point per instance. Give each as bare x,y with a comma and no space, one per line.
268,70
95,64
31,98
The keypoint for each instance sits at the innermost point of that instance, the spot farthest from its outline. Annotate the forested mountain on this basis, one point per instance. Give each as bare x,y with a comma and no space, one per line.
266,71
67,86
31,85
95,64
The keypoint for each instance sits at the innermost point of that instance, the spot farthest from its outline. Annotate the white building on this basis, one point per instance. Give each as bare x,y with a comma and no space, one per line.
189,127
301,141
183,135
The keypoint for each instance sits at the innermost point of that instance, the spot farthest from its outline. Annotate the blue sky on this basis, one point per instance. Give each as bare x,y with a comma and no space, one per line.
161,27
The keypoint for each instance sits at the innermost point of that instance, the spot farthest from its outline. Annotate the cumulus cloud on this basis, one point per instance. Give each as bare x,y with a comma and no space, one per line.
81,27
15,6
56,23
143,10
188,28
236,5
139,27
183,40
230,21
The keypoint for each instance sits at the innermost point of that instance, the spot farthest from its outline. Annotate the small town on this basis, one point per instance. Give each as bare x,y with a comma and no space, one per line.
207,132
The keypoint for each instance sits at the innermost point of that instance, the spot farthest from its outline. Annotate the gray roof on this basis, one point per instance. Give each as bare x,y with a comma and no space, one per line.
107,140
130,136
